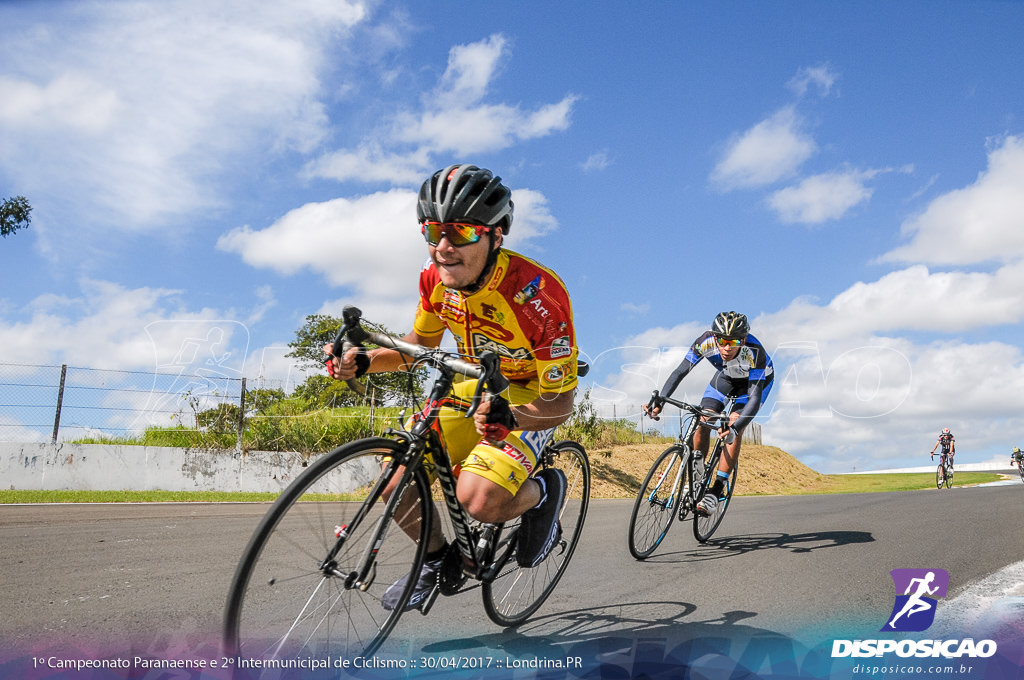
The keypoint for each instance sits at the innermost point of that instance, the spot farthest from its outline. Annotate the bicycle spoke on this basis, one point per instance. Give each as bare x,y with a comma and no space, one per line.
654,508
517,592
288,598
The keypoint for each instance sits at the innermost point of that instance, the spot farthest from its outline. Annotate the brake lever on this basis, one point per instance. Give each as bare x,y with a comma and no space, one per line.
651,404
491,380
351,330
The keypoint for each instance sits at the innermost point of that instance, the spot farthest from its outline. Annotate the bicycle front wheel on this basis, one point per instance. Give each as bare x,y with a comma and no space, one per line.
656,505
704,527
949,477
517,592
299,590
938,477
1020,470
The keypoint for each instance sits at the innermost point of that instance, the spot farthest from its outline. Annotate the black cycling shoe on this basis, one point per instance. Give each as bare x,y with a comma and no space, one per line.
540,529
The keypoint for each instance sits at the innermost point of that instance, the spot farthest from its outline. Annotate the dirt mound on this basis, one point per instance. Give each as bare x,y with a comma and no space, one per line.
618,472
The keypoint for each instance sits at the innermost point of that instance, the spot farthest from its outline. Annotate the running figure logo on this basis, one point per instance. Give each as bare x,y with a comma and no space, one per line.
914,609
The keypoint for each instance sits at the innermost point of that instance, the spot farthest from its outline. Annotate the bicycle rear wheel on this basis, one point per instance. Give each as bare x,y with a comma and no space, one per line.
657,502
938,476
292,596
705,527
517,592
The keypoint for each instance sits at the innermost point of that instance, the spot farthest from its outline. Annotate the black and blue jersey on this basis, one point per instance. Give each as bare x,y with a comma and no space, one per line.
748,377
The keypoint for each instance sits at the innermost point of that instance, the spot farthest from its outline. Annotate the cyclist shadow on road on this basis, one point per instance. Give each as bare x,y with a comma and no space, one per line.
612,644
721,547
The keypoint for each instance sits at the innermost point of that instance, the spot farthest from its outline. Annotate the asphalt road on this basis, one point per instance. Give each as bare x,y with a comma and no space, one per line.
152,578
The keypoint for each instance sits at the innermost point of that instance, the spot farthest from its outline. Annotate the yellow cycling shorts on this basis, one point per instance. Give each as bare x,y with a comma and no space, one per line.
508,466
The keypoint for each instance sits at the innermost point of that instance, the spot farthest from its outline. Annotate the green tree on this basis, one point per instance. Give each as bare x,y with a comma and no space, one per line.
321,329
15,214
261,399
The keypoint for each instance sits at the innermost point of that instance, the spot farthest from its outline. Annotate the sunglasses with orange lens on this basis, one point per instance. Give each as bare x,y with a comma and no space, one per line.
729,342
457,233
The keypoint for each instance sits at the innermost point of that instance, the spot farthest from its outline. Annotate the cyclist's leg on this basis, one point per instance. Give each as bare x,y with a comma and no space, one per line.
494,483
408,514
714,400
719,390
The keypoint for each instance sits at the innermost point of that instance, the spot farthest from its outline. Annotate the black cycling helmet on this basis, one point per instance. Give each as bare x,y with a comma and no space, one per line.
465,193
730,325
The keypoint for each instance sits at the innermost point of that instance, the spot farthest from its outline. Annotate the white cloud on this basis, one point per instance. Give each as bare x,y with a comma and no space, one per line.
125,114
471,68
455,119
820,198
766,153
822,77
596,161
845,376
979,223
110,326
358,242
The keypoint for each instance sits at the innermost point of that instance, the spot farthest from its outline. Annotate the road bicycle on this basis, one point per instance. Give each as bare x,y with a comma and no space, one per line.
312,578
677,481
1020,468
944,471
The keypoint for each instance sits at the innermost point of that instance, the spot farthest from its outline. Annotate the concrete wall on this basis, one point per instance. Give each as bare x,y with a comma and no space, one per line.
98,467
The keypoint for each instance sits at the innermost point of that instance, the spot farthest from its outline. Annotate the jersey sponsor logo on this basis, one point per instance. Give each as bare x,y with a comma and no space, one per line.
554,374
540,308
536,440
560,347
530,290
496,331
517,455
483,343
499,274
452,313
493,313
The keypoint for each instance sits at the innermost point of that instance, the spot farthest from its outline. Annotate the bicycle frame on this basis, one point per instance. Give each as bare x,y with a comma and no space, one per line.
699,467
423,438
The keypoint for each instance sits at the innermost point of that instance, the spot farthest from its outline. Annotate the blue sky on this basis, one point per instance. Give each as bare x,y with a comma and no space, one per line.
847,174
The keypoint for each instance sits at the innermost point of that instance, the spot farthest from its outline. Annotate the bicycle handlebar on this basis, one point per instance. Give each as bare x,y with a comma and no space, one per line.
488,371
695,410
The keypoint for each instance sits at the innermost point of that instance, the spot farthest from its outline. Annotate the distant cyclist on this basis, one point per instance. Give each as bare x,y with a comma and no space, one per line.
948,443
1015,456
745,372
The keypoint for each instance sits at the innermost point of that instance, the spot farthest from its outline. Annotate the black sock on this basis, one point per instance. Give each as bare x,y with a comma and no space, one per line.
437,554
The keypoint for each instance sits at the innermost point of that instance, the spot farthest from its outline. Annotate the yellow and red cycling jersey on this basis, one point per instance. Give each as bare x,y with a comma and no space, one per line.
523,314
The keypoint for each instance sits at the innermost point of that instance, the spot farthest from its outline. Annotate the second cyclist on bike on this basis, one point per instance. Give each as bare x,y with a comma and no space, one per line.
490,299
947,441
745,371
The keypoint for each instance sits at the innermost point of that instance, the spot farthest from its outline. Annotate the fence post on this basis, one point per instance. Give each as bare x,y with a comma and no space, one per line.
640,417
241,418
615,427
373,409
60,401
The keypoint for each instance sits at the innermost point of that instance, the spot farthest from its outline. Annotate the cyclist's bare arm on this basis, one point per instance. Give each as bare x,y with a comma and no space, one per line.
544,412
382,359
